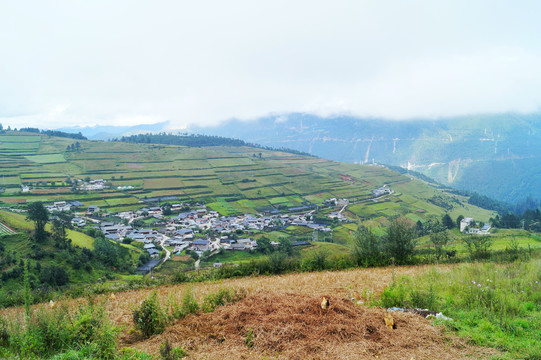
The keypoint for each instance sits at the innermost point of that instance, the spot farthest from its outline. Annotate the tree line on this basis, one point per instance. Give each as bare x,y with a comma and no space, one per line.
197,140
57,133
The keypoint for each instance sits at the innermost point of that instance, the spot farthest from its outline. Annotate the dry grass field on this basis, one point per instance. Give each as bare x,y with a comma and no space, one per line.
284,315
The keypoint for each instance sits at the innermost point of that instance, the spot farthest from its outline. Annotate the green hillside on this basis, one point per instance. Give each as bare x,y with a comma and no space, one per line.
231,180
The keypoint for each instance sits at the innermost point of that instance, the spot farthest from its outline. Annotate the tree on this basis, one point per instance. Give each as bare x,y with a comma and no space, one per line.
399,240
60,224
264,245
166,209
478,246
447,221
111,253
368,250
458,220
285,246
439,238
38,214
420,228
54,275
510,221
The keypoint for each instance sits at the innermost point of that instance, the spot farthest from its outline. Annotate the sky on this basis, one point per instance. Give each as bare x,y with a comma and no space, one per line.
128,62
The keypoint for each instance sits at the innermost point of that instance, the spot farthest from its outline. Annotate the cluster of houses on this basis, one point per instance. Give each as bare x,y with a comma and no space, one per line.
467,225
173,235
182,230
336,202
94,185
384,190
64,206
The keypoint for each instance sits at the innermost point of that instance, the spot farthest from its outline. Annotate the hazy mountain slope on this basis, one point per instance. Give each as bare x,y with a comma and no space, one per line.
497,155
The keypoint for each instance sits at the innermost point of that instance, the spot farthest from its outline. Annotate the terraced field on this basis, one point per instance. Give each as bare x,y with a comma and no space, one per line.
231,180
4,230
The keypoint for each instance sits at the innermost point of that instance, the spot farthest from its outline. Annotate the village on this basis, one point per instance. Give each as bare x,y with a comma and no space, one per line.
179,227
198,230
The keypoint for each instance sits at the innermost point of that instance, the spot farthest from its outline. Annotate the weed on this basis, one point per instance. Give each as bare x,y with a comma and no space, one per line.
167,352
222,297
4,334
249,338
189,304
494,305
133,354
395,295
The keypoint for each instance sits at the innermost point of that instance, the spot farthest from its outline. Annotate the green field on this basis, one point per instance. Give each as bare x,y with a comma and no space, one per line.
46,159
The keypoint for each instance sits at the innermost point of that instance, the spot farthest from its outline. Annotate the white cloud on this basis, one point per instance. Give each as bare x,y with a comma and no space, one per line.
127,62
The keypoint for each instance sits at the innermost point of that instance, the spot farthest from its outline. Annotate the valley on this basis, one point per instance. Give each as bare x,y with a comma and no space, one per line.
126,218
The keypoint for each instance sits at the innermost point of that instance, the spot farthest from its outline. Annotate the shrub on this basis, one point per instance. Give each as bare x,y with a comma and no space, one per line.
188,306
47,333
478,246
315,262
368,249
149,317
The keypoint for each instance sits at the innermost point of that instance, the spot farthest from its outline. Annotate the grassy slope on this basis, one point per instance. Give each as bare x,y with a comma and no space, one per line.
229,179
19,222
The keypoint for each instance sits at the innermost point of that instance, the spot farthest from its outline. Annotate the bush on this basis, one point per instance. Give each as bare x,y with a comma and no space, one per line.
368,248
46,334
315,262
424,299
149,318
478,246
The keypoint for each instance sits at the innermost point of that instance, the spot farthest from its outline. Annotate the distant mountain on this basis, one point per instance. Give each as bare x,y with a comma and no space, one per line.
108,132
496,155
